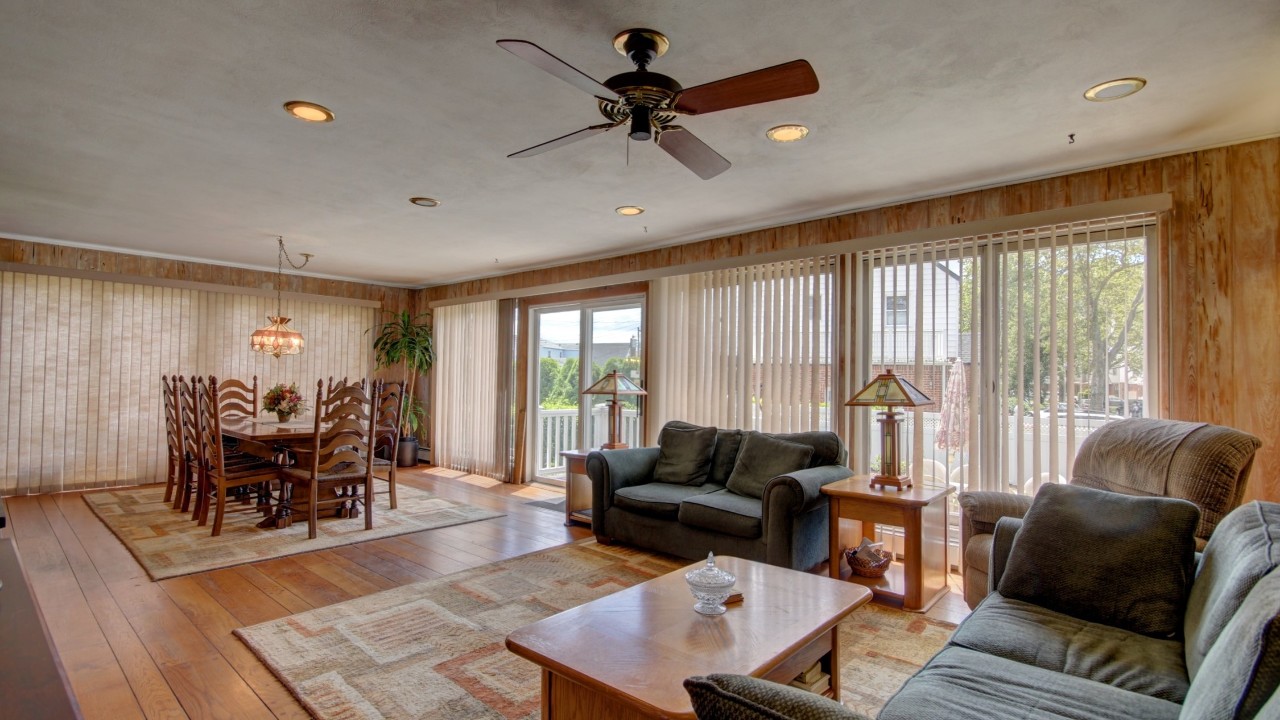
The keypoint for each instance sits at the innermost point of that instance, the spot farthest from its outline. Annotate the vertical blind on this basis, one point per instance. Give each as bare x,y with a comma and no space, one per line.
746,347
1027,341
465,389
81,364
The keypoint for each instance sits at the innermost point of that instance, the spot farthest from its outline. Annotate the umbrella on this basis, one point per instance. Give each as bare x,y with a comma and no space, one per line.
953,426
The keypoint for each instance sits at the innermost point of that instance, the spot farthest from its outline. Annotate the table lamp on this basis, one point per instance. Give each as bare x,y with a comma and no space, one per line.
889,391
614,384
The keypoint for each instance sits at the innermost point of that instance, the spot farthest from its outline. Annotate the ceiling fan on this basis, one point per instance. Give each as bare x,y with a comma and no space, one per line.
651,102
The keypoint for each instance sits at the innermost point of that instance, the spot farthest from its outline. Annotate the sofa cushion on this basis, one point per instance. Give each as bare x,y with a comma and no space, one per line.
1033,635
1244,548
722,456
1076,542
742,697
684,455
724,512
660,500
1242,669
762,458
827,447
962,684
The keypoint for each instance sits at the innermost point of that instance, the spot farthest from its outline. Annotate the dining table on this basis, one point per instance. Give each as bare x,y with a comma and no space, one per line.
272,440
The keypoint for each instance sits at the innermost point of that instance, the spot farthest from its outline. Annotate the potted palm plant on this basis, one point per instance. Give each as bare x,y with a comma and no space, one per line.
404,340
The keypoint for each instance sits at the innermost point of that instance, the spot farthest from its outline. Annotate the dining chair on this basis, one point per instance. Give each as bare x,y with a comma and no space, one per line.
236,397
388,404
242,477
192,455
337,456
176,469
334,384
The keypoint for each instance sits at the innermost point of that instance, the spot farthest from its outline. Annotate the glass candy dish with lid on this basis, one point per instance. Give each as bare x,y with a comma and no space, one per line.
711,586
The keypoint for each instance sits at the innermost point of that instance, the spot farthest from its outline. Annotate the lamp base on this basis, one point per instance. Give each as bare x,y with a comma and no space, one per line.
614,446
896,482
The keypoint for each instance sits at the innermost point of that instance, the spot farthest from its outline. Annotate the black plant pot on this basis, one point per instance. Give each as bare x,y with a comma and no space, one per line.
407,453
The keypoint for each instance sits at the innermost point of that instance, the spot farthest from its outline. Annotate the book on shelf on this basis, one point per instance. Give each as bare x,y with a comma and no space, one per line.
818,686
813,673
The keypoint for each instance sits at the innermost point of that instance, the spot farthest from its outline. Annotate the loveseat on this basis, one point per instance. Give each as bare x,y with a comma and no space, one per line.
1094,614
743,493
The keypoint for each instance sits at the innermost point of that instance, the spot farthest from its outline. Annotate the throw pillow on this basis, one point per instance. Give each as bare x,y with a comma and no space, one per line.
762,458
684,455
1108,558
741,697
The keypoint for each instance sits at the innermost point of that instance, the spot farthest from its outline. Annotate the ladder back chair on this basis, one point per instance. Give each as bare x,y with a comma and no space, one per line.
243,477
173,436
336,458
192,456
389,402
335,385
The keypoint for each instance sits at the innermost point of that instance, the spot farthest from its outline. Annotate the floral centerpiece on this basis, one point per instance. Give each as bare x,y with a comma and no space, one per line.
284,401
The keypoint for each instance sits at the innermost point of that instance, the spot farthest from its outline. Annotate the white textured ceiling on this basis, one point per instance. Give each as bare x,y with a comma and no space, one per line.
156,127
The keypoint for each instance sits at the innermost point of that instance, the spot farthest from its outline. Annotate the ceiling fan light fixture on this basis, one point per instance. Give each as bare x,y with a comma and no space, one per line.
787,133
629,210
1114,89
425,202
309,111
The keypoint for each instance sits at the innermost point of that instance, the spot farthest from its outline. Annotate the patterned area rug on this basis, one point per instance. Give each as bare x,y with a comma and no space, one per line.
167,543
434,649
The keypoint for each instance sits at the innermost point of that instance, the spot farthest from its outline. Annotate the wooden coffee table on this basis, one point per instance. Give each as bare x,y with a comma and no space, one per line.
626,655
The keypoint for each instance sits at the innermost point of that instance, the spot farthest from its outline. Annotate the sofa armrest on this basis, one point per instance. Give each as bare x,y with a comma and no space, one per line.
800,491
1006,530
612,470
979,512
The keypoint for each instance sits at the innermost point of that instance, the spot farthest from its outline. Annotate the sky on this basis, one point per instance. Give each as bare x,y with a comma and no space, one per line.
611,326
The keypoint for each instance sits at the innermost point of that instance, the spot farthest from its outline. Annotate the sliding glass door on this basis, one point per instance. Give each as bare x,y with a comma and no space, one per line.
573,346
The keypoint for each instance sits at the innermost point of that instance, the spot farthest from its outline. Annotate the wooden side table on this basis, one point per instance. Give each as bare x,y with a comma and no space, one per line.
577,487
921,578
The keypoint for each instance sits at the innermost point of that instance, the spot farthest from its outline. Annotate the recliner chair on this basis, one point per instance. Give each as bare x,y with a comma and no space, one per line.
1206,464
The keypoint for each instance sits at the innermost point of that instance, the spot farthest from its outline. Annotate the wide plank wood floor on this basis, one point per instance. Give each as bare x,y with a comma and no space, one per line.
133,648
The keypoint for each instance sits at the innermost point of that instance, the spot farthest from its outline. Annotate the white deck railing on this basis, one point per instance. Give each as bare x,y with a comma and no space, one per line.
558,431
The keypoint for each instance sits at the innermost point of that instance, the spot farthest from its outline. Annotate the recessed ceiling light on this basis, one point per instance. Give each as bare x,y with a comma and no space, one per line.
629,210
1114,89
425,201
786,133
308,111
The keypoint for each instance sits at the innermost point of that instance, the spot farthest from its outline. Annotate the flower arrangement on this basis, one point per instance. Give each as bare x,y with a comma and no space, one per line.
284,401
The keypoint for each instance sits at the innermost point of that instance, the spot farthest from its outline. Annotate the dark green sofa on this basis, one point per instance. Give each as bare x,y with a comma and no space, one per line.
786,526
1017,659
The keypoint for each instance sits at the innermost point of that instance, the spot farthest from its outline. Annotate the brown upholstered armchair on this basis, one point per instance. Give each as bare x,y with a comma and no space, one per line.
1206,464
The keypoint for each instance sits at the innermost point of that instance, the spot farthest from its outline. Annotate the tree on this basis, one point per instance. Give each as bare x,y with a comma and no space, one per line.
1104,282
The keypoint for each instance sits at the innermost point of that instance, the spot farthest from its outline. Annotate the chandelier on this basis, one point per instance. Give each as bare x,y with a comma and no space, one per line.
278,338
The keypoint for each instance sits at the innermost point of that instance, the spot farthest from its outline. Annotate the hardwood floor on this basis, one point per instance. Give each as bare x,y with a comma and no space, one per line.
133,648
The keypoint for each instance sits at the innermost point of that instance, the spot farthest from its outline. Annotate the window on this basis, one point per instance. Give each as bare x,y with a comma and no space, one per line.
895,310
1026,341
746,347
88,413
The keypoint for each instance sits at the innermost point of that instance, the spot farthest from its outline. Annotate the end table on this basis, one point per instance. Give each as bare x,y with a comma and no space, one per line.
921,578
577,487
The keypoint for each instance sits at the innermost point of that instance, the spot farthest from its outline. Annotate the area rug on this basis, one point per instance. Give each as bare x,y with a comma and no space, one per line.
434,650
167,543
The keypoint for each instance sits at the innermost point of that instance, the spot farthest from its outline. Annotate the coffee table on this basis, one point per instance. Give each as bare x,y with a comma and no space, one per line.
626,655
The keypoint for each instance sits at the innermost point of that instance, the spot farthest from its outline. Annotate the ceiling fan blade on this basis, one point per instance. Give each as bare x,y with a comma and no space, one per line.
692,152
554,65
563,140
779,82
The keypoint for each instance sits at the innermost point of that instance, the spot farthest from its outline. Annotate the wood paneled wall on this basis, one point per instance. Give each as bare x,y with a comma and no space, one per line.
1221,277
44,255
